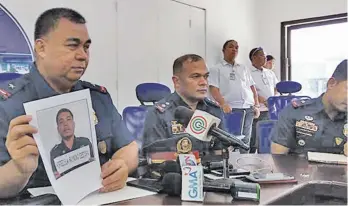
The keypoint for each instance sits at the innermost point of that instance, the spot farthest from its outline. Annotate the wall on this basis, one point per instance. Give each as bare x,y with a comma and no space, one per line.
270,13
226,19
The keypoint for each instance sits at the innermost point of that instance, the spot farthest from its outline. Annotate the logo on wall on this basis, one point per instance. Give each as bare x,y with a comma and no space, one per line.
198,124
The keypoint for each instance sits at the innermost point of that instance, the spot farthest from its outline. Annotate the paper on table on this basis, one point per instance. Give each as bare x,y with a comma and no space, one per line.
327,158
96,198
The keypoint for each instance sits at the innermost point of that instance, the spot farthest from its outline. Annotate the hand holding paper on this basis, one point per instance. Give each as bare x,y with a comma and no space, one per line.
114,174
21,147
345,149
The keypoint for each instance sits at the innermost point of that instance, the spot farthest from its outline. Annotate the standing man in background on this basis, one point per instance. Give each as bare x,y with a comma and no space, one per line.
233,88
265,83
270,62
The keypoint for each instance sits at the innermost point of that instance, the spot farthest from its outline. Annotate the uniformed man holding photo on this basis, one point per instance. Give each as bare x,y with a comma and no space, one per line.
319,124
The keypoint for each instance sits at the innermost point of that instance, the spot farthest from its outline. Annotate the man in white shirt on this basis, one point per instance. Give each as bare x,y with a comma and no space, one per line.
265,83
232,86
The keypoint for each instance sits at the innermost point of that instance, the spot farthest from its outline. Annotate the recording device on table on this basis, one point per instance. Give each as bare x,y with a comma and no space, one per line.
269,178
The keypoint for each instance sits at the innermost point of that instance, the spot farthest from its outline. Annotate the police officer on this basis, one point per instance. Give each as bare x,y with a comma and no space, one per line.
190,78
66,128
62,53
233,87
318,124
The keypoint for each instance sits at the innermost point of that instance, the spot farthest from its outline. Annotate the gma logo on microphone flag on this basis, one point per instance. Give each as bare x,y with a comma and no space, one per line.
200,123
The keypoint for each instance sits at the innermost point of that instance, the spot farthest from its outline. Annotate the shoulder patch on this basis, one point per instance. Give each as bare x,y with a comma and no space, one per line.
94,87
212,102
161,107
296,103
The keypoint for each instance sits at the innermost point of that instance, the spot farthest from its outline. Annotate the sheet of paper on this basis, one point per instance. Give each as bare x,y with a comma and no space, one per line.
327,158
96,198
67,143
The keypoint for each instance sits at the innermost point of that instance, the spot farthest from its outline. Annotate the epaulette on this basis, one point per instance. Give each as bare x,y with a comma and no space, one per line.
94,87
212,102
296,103
161,107
8,89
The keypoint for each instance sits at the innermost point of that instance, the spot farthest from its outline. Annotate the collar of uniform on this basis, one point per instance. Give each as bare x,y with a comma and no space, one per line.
42,88
254,69
224,63
180,102
73,145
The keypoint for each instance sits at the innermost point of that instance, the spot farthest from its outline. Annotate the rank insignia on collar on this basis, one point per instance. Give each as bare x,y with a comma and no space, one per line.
95,118
345,130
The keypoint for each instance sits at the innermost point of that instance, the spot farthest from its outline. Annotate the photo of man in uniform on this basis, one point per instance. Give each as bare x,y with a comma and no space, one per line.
66,129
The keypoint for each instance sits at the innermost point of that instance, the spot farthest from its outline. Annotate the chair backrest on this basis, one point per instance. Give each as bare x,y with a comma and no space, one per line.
234,122
277,103
151,92
263,135
288,87
134,118
8,76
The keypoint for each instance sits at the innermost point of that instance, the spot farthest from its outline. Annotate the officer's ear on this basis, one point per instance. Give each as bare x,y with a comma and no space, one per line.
331,83
175,79
40,48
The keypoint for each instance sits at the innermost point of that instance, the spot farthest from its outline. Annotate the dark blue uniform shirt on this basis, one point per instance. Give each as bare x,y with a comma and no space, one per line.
161,124
304,126
111,131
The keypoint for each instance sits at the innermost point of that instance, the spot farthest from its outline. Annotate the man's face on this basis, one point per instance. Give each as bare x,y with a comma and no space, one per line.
231,50
185,144
270,64
66,125
192,81
64,51
259,58
337,94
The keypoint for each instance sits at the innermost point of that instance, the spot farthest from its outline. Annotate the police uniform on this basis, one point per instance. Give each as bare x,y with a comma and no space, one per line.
111,132
304,126
161,124
61,149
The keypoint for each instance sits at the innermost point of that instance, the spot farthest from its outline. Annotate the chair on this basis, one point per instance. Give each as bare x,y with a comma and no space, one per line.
134,118
277,103
234,122
263,135
8,76
151,92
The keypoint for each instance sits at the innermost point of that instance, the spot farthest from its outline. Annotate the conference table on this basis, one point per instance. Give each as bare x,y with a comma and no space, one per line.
297,166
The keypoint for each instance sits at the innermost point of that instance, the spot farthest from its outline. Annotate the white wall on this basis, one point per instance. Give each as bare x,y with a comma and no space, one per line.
226,19
270,13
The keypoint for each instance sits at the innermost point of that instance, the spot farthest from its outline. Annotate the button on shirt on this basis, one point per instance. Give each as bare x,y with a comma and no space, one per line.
110,129
265,82
234,83
306,127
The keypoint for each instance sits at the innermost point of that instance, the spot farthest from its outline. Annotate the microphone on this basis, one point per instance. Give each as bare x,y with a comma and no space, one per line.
171,183
201,124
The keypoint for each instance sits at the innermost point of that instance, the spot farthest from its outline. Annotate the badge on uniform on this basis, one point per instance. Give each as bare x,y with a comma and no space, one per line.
233,75
95,118
338,140
184,145
102,147
309,118
306,125
177,128
345,129
301,142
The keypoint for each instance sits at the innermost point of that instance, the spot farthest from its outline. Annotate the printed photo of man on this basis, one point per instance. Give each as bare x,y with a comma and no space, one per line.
73,151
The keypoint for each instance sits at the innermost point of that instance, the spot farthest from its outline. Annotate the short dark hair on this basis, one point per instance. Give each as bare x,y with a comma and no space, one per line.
340,73
269,57
50,18
179,62
63,110
254,51
226,43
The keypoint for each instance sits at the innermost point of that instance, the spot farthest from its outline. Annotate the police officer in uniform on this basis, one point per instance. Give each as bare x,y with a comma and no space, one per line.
190,78
318,124
66,128
62,53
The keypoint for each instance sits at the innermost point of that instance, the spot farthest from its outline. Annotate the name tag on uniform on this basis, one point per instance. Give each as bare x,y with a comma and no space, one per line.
233,75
